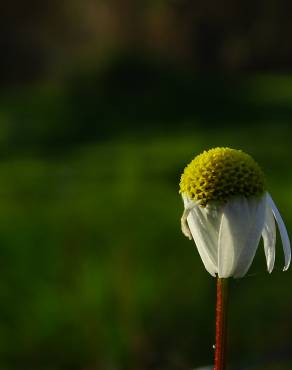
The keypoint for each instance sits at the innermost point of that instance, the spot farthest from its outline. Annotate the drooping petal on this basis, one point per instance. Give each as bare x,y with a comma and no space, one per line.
269,238
188,205
240,231
203,243
283,232
202,224
232,235
184,224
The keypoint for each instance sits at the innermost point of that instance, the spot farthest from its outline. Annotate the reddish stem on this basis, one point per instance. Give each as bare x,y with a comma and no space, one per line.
221,321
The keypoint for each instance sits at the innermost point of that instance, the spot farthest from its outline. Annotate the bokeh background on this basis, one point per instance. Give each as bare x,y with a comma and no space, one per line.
103,103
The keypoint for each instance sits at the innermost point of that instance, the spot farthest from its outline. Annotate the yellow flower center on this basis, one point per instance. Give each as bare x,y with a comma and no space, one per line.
221,173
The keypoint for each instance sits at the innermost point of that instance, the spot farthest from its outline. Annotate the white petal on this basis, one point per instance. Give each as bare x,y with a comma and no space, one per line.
204,226
283,232
204,247
269,238
188,204
184,224
240,231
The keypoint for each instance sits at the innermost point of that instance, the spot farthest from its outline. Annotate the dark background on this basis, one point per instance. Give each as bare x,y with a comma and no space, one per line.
102,104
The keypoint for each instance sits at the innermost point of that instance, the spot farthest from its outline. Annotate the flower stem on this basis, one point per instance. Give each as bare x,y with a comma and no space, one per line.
221,324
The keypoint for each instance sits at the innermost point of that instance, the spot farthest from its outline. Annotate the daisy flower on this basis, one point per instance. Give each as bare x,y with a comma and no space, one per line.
227,210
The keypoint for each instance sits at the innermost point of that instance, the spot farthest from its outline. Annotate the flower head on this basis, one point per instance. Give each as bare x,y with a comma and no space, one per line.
227,210
221,173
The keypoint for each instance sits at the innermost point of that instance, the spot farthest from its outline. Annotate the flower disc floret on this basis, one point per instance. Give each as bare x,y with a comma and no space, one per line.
220,174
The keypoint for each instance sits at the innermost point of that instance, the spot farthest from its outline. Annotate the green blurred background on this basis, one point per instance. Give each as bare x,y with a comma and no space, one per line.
102,105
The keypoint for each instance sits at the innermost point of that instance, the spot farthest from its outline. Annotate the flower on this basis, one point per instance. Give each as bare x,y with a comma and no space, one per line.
226,211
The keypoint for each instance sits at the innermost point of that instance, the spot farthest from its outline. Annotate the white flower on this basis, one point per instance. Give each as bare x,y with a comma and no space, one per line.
227,236
227,211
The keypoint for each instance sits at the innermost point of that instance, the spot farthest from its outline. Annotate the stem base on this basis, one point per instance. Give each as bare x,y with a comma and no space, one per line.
221,324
